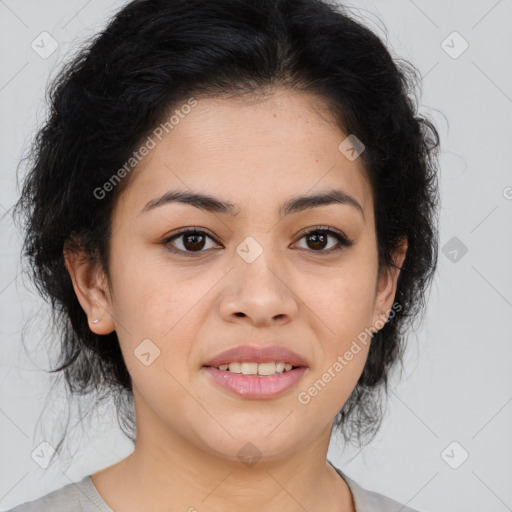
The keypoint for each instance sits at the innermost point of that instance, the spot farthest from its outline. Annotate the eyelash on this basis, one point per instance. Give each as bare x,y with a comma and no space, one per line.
343,241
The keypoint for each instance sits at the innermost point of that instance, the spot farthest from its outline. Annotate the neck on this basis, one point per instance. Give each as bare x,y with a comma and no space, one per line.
168,472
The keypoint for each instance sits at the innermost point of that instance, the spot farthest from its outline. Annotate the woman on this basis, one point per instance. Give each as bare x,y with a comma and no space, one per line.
232,209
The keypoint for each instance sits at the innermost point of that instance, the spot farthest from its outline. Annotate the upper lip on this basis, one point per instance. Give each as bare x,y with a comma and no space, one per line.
257,354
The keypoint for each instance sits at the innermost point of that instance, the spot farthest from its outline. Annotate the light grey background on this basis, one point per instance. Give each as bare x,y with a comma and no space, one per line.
458,383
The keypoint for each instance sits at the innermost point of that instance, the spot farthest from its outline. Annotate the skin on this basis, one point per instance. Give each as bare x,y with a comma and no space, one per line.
257,155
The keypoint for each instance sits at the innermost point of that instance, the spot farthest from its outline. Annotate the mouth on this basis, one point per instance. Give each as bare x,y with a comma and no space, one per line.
255,386
256,372
256,369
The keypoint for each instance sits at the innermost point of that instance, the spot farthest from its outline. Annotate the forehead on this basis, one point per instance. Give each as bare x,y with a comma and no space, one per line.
250,152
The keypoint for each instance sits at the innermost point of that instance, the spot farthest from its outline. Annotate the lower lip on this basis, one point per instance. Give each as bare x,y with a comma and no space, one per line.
255,386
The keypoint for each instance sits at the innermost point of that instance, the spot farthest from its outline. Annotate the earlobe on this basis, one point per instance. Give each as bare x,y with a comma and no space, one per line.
386,287
91,288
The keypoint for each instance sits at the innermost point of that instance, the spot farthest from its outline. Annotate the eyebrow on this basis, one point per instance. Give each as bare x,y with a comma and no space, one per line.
214,205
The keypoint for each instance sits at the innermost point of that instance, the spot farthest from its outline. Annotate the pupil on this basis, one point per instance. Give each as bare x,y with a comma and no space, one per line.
195,243
319,236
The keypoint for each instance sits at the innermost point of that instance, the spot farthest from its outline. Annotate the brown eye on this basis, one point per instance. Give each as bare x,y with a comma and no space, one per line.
318,240
193,242
190,241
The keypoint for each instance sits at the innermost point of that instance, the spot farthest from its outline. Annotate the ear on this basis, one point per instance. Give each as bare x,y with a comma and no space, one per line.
91,288
386,287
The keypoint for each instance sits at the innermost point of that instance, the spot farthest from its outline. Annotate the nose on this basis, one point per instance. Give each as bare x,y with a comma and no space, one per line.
259,293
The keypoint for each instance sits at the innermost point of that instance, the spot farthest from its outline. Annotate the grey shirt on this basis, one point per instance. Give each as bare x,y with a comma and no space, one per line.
83,497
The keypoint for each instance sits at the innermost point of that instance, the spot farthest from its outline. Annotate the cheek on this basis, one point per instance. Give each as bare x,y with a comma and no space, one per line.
343,299
152,297
342,331
342,303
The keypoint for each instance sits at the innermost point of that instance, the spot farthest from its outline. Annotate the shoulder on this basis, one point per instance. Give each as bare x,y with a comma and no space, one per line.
75,497
371,501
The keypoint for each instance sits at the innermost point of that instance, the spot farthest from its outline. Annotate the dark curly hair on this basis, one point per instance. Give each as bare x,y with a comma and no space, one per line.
154,54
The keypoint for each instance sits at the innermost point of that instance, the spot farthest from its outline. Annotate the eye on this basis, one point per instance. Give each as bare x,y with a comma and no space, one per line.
192,240
188,241
317,238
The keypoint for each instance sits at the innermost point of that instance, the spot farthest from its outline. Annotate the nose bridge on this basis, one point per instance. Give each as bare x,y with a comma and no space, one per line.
257,265
258,287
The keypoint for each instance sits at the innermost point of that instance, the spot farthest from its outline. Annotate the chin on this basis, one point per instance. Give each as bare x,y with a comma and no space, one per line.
250,446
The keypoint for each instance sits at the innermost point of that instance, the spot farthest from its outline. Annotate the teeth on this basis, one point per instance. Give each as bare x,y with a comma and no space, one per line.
266,368
235,367
270,368
249,368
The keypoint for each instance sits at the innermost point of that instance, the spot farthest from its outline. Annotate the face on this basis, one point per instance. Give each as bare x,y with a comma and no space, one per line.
249,276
